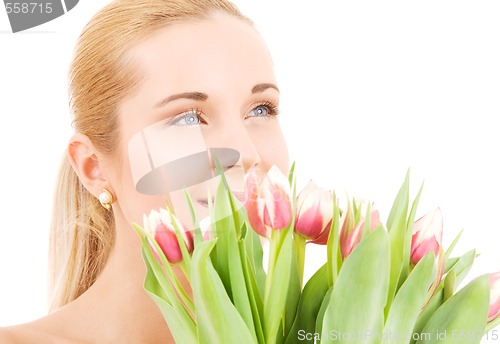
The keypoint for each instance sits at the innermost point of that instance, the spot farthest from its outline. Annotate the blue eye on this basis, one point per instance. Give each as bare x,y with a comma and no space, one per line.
260,111
192,117
264,110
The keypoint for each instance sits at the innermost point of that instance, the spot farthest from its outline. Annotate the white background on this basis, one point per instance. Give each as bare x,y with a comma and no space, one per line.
369,89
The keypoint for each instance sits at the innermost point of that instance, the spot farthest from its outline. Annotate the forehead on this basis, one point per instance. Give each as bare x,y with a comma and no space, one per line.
195,55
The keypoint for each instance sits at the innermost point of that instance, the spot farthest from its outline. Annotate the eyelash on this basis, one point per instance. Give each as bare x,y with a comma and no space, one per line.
196,112
272,109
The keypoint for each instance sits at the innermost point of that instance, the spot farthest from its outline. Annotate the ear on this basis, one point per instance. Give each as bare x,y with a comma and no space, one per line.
85,161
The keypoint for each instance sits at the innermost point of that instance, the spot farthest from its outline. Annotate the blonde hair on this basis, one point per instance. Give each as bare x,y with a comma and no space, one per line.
83,232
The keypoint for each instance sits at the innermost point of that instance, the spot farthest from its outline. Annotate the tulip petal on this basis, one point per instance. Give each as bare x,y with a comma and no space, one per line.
310,222
494,309
427,235
305,194
205,227
255,219
322,239
277,218
251,190
350,239
374,219
314,212
253,204
353,239
160,224
428,225
275,194
424,247
167,240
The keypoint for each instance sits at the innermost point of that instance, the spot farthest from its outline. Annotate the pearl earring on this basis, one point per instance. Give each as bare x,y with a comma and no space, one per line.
106,199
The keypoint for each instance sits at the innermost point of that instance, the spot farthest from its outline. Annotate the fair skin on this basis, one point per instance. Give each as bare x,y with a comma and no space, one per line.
223,58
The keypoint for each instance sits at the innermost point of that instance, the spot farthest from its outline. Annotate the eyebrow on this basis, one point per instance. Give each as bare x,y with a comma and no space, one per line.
262,87
186,95
203,96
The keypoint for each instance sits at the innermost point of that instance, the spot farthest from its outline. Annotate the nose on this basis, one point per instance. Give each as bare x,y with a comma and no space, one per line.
236,135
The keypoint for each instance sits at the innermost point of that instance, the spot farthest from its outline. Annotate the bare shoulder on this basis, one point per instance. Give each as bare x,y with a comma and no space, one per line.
7,337
21,334
30,333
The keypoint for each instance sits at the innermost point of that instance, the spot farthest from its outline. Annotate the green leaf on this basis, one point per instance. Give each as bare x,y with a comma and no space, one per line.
332,246
175,325
357,211
163,273
291,173
292,300
243,231
224,225
182,327
460,267
299,249
405,264
368,219
429,310
463,266
229,220
198,236
238,286
450,263
360,293
453,244
255,254
254,296
396,225
164,295
401,201
322,309
217,318
277,285
409,301
449,285
461,319
309,304
491,325
214,256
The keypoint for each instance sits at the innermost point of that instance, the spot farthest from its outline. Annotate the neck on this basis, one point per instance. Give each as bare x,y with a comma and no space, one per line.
116,308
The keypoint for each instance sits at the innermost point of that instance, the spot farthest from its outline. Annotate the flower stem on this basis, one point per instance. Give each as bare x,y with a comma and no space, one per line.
299,243
276,243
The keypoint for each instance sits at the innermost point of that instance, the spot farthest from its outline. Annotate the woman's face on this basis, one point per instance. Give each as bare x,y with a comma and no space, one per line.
207,84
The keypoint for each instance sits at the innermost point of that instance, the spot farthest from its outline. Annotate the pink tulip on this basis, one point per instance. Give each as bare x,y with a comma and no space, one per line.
268,205
494,311
350,238
253,202
205,227
314,213
439,263
161,226
427,235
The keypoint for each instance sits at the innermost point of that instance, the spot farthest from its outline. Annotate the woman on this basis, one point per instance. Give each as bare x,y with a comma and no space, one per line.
194,69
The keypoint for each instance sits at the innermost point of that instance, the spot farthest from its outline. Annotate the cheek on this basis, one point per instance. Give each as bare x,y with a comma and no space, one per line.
272,147
133,204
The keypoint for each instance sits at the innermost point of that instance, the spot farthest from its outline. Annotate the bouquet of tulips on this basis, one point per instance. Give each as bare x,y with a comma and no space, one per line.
389,282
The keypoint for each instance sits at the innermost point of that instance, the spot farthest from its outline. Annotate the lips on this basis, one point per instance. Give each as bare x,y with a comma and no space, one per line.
203,202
